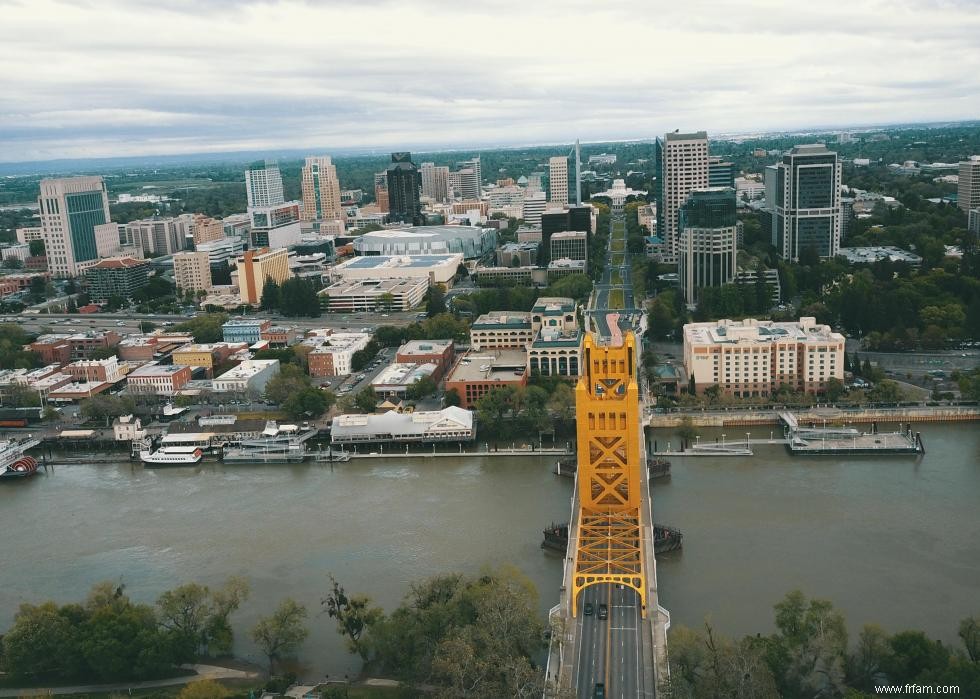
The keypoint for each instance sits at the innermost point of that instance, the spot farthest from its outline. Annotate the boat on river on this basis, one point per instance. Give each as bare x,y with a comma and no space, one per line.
278,444
14,463
171,456
664,538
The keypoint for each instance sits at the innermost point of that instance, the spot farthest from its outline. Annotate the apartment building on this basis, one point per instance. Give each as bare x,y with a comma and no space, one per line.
321,191
192,271
752,358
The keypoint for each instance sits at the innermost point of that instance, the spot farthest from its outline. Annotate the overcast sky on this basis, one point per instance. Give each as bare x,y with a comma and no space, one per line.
131,77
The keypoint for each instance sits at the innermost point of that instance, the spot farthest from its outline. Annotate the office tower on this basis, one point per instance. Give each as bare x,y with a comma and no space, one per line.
534,182
707,243
404,190
805,205
435,182
683,167
846,217
720,173
71,208
558,180
466,184
158,236
255,266
968,192
573,218
263,185
116,276
535,203
321,191
572,245
381,191
192,271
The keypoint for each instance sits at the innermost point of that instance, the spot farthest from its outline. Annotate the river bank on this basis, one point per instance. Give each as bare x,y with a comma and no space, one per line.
736,417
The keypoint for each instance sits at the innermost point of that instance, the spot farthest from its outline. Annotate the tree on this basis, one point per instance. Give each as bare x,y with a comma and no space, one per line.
283,632
834,389
14,263
197,618
970,633
353,614
366,400
21,397
205,328
435,301
290,381
423,387
451,398
309,402
36,248
561,404
270,295
686,430
297,297
43,642
811,643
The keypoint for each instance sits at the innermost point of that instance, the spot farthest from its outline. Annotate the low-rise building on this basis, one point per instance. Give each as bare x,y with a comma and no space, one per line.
394,380
116,276
751,358
436,269
128,428
206,356
76,391
451,424
523,254
247,330
554,312
158,379
507,275
277,335
97,370
250,376
555,352
478,373
872,254
563,267
332,352
501,330
373,294
438,352
571,245
61,348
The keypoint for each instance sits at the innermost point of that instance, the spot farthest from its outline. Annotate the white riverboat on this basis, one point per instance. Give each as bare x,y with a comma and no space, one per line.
171,456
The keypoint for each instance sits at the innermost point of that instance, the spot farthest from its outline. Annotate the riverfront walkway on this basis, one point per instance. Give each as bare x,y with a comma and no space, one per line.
745,418
203,672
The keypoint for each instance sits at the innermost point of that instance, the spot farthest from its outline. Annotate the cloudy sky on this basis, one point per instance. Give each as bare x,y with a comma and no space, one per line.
82,78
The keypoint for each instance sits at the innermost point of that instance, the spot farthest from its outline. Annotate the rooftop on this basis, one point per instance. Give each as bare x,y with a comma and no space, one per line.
425,233
502,320
403,374
499,365
398,261
554,305
119,263
395,423
424,347
157,370
247,369
752,331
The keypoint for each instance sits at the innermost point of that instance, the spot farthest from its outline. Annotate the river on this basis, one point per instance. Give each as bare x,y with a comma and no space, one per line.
893,540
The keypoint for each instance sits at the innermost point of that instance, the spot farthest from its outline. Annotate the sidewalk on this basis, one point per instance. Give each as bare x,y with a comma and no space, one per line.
204,672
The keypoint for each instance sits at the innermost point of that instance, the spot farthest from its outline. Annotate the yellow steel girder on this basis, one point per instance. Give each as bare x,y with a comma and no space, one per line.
609,545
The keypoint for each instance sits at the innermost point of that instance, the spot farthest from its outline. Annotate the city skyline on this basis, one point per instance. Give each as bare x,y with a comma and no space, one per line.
106,80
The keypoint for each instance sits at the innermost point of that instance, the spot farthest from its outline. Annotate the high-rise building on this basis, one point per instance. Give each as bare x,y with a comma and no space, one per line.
720,173
558,179
275,226
404,190
469,179
159,236
71,208
707,241
535,202
321,191
682,165
973,221
572,218
435,182
116,276
805,204
207,229
192,271
255,266
968,192
263,185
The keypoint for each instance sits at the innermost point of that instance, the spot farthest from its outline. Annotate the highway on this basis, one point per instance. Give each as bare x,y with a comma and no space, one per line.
610,651
605,285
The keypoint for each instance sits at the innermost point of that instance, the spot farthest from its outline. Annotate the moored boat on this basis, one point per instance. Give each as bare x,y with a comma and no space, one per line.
171,456
14,463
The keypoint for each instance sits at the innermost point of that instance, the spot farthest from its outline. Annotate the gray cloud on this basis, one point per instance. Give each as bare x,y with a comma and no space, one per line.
113,77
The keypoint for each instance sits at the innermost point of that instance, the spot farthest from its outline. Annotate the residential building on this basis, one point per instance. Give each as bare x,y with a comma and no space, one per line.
436,268
332,352
207,229
157,236
372,294
572,245
968,187
805,203
192,271
158,379
558,180
250,376
71,209
517,255
682,164
471,186
321,191
501,330
752,358
435,182
707,244
478,373
404,185
263,185
437,352
396,378
472,242
116,276
450,424
247,330
94,370
256,266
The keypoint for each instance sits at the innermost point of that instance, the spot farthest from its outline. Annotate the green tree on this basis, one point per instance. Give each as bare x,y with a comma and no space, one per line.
36,248
297,297
197,617
435,301
353,614
309,402
205,328
834,389
422,388
270,295
290,381
283,632
204,689
451,398
366,400
44,643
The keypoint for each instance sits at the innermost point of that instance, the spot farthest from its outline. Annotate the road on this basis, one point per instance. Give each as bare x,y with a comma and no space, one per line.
610,650
606,284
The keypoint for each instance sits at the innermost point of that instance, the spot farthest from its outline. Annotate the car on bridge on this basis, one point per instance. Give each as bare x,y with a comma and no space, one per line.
589,609
603,611
600,691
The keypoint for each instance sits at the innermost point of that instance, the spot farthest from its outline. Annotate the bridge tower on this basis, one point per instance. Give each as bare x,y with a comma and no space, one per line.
609,546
